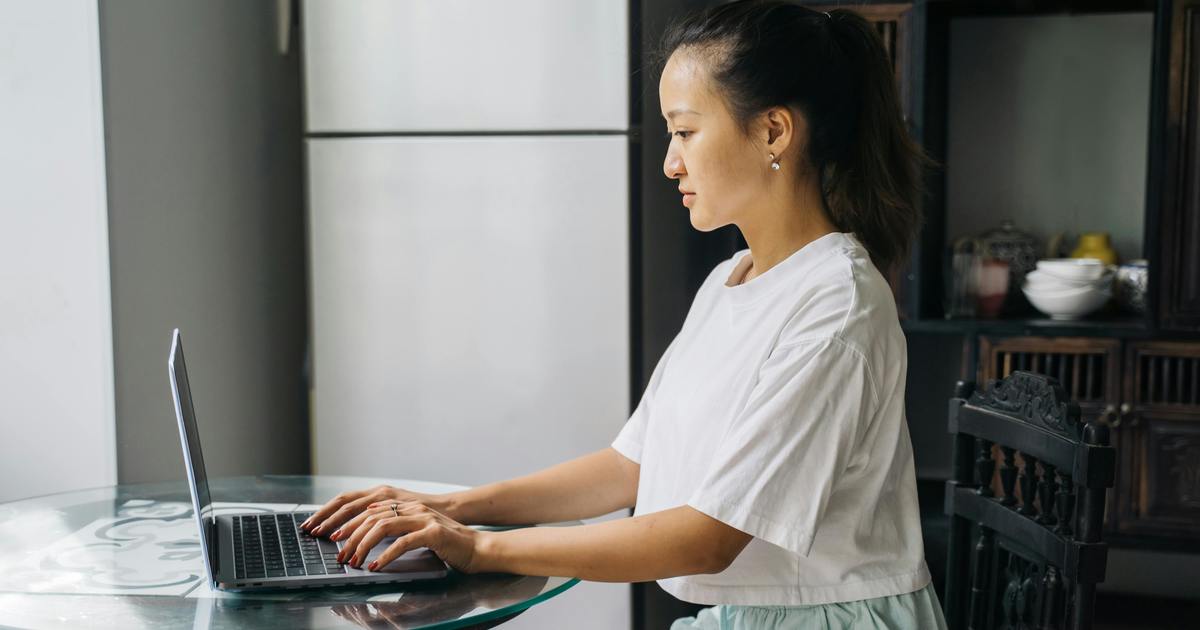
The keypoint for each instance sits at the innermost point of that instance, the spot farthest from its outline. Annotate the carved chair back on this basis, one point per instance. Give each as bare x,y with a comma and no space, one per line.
1026,506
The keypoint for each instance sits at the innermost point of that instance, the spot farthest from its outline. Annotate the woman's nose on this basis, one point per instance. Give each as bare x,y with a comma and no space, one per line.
673,166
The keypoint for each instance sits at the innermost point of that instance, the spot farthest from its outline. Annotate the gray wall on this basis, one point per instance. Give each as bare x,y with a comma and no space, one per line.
203,129
1048,125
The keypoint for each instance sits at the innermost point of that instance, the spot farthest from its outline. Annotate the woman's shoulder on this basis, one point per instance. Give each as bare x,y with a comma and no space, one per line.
844,297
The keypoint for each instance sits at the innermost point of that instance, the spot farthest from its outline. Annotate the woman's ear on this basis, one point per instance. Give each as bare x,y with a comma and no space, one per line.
779,127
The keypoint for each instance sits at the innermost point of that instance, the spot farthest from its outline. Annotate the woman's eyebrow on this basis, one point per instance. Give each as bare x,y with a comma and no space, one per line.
671,114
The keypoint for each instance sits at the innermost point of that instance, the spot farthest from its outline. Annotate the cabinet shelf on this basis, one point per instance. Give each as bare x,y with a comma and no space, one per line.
1132,327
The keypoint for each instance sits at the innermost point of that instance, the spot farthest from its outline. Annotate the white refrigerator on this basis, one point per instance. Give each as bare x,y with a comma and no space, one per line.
468,225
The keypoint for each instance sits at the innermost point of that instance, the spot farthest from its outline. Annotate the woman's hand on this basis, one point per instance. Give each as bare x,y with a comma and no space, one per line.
415,525
349,506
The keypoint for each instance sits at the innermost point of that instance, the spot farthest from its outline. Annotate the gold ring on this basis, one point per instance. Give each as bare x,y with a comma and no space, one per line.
394,510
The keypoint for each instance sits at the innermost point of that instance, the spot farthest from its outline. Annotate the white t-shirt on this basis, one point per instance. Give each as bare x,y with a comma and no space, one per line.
778,409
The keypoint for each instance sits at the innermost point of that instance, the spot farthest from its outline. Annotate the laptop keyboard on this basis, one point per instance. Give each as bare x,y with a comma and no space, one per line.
273,545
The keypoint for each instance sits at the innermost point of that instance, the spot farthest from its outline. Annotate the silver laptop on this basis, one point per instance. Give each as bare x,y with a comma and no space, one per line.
269,550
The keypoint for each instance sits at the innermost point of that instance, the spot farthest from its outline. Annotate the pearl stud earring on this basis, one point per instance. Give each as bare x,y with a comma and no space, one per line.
774,162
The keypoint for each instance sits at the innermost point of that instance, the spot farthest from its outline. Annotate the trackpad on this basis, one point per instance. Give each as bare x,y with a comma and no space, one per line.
419,560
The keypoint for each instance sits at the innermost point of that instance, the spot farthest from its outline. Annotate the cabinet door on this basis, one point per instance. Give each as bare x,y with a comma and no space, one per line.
466,65
1158,472
1175,271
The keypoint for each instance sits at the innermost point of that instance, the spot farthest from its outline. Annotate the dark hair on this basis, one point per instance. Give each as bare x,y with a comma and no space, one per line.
834,69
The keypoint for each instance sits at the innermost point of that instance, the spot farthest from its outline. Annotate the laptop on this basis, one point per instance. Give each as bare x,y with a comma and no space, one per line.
244,552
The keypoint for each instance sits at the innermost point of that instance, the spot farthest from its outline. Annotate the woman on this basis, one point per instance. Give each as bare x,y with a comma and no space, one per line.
769,460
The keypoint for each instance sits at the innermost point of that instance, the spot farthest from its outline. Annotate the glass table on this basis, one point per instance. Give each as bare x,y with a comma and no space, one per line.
129,556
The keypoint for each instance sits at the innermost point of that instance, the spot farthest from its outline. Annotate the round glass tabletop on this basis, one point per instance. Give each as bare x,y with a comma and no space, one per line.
129,556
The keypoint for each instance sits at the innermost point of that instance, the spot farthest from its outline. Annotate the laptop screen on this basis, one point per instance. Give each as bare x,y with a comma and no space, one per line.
185,413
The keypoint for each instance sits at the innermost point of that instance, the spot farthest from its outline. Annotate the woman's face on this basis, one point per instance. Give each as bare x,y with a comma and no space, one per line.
708,154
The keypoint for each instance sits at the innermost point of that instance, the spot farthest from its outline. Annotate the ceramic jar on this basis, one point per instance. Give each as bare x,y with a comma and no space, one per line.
1013,246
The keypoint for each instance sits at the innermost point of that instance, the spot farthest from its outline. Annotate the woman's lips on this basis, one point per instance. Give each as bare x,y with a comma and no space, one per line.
688,198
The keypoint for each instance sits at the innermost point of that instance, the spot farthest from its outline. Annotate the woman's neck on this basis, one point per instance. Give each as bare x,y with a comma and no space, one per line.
783,226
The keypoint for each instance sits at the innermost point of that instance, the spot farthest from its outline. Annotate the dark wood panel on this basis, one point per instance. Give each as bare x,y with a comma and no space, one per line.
1163,375
1175,275
1157,435
1161,496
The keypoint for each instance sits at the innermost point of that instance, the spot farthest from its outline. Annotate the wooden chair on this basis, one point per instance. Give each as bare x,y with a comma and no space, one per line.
1025,548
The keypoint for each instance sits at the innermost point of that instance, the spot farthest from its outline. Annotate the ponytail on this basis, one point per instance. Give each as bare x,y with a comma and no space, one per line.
874,186
838,74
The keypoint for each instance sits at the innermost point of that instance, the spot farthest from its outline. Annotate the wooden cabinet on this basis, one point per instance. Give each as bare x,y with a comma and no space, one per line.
1158,427
1148,392
1175,168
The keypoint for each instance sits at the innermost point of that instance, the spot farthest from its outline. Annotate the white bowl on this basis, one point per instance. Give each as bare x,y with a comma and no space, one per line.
1038,279
1073,268
1067,303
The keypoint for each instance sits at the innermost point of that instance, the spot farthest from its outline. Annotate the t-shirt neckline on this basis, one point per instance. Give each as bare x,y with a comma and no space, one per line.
778,275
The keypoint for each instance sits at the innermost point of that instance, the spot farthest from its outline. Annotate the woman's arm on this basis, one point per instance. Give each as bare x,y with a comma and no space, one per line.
677,541
592,485
587,486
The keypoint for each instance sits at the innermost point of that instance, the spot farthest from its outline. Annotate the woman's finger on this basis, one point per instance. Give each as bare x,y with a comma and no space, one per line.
387,526
373,516
353,524
374,494
330,507
341,515
411,540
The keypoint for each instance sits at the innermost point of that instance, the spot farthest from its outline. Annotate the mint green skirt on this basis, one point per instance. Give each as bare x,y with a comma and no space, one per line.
918,610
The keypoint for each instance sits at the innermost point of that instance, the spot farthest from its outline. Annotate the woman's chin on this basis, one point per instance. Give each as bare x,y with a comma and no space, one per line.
702,222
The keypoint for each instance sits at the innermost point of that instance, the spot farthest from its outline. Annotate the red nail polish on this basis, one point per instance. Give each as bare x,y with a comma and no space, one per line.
334,535
373,566
354,562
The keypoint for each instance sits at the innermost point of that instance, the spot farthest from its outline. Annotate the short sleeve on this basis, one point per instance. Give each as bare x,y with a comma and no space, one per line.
776,467
629,440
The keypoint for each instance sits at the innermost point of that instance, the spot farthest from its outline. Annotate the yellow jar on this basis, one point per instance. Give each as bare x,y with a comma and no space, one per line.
1095,245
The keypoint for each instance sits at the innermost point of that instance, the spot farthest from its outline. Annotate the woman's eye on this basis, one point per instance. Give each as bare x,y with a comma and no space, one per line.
681,134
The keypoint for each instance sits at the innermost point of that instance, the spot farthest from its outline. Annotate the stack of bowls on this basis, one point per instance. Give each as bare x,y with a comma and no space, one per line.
1069,288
